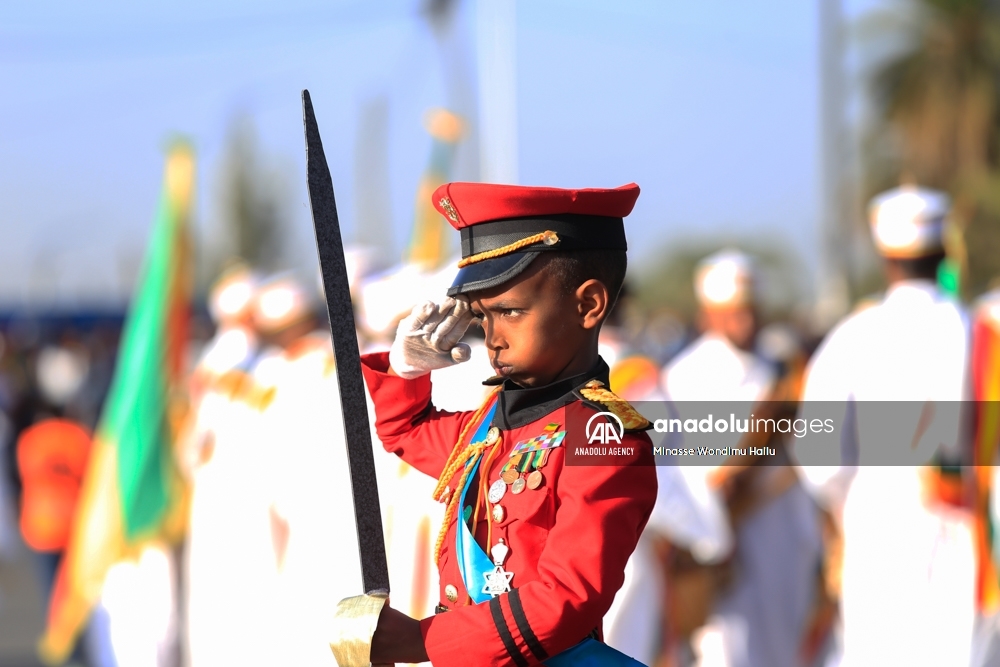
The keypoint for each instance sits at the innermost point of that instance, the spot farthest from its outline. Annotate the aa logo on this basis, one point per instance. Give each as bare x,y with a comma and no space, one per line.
603,432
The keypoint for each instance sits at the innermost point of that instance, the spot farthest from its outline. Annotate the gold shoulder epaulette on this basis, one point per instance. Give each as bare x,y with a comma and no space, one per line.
596,392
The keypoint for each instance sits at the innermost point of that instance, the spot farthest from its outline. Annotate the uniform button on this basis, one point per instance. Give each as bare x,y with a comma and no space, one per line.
451,593
492,435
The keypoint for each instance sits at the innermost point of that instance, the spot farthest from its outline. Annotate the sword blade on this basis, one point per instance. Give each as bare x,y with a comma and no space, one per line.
367,513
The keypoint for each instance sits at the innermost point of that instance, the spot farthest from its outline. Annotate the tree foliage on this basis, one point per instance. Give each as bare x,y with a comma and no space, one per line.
938,102
254,198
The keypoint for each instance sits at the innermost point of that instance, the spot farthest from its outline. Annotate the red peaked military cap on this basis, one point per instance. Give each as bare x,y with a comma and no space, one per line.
505,227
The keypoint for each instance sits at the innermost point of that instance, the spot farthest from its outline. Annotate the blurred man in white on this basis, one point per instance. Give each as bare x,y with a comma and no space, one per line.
307,485
908,561
229,563
760,619
234,345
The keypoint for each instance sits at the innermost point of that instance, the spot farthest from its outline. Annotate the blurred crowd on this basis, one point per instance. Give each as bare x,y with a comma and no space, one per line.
757,562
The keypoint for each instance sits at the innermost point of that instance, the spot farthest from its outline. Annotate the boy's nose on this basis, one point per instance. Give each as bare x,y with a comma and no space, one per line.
494,340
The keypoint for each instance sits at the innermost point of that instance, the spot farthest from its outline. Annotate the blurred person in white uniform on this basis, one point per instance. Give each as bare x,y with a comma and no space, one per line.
760,619
232,348
230,563
893,375
307,484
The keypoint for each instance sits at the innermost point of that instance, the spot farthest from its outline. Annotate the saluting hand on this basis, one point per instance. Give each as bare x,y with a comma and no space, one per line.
429,338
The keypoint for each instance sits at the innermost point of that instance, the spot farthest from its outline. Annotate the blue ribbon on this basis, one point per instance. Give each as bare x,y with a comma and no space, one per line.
473,562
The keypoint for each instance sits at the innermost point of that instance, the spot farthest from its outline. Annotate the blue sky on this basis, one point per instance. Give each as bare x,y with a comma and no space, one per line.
710,106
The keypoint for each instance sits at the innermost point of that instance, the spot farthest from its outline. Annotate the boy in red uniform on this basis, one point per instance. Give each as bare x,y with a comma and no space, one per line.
532,550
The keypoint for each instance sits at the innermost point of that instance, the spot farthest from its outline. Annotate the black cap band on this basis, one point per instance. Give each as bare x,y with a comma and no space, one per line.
575,232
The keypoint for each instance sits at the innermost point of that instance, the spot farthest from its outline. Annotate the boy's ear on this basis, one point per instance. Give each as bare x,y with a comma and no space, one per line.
593,301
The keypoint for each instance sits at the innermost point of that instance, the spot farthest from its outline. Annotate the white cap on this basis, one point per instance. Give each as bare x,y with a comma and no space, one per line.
908,222
231,297
61,373
725,279
279,303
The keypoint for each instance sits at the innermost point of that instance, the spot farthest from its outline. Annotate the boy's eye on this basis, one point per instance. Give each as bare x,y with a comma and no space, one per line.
510,312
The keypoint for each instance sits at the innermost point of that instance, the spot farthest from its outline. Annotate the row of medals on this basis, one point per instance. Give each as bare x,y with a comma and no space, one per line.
528,463
522,471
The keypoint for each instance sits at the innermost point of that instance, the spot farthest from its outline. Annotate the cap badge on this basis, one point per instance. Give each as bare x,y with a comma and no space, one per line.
449,210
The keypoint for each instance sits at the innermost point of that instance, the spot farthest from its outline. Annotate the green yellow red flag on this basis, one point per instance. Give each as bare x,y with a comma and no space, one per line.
131,493
986,391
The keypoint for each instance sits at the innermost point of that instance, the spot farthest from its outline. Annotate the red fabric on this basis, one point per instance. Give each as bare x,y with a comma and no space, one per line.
473,203
51,457
569,539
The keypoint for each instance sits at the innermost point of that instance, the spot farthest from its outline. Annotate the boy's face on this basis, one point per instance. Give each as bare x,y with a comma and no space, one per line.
537,331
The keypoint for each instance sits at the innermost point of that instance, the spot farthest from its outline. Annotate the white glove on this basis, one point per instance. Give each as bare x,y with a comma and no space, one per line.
428,338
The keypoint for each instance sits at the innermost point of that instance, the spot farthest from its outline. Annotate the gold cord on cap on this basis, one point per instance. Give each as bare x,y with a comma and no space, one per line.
547,237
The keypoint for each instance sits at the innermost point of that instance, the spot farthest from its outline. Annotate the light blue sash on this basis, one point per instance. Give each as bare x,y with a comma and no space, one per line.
473,562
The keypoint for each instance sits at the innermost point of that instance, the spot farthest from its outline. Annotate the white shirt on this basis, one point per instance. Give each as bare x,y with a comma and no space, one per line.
913,347
713,369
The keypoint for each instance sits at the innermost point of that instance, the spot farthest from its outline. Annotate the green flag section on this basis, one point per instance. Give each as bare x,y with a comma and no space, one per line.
131,494
950,277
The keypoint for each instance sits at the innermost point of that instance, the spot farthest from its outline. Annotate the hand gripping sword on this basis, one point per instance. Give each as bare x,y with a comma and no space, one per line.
357,616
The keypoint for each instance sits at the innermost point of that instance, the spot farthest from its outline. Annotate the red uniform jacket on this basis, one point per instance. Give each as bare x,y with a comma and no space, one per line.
569,539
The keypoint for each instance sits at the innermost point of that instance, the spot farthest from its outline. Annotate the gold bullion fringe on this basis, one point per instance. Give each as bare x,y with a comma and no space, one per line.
353,628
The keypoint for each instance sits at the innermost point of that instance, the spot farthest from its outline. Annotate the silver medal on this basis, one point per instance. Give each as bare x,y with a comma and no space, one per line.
497,491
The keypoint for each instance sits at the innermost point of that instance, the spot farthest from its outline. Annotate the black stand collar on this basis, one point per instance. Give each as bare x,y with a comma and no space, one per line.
519,406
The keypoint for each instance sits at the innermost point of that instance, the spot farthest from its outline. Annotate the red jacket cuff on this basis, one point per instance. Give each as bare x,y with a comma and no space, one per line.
375,368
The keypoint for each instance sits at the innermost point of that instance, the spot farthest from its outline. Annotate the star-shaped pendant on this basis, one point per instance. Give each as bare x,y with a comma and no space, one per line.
497,581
